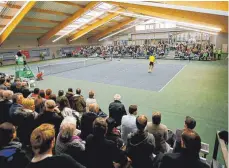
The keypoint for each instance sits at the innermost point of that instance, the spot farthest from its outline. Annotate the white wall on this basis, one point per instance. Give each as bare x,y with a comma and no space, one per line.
222,38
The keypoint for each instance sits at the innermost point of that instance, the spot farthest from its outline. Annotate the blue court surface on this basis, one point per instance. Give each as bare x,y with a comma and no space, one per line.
126,73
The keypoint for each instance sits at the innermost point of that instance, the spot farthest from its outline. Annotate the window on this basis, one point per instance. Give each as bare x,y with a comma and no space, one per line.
139,27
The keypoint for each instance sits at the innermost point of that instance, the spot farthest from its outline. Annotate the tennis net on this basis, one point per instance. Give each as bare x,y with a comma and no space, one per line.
68,66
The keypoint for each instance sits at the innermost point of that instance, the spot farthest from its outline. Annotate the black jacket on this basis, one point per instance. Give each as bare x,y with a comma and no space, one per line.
101,153
180,160
69,96
87,124
12,156
116,111
5,110
50,118
24,119
140,148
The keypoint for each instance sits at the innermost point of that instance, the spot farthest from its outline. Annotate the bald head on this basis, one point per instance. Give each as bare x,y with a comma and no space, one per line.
7,95
141,122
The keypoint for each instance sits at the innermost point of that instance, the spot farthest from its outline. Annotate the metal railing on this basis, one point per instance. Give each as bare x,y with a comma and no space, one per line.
221,143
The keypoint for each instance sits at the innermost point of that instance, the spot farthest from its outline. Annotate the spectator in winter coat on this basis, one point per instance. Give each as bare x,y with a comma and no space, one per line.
117,110
60,95
50,115
140,145
108,151
5,106
35,93
69,96
79,103
40,102
24,118
68,141
10,149
17,103
2,81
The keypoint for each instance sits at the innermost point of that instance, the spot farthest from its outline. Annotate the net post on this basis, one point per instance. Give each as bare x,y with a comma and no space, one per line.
216,146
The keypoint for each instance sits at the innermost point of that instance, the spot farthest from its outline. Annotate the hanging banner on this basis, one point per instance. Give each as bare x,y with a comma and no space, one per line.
26,53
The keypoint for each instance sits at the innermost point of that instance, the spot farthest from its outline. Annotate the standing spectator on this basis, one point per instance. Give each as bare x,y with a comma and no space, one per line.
108,151
79,104
17,103
50,115
129,123
40,102
5,106
53,97
26,92
95,109
60,95
90,100
117,110
68,141
8,83
2,82
12,155
13,85
160,133
69,96
140,145
190,124
43,141
48,92
35,93
189,156
24,118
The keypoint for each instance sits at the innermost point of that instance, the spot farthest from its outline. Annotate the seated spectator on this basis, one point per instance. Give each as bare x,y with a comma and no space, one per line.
53,97
69,96
17,103
35,93
141,145
11,153
25,92
117,110
95,108
87,120
50,115
8,83
108,151
90,100
48,92
43,141
13,85
189,123
189,156
1,95
5,106
18,87
40,102
113,133
2,82
160,133
128,124
65,109
60,95
68,141
78,102
24,118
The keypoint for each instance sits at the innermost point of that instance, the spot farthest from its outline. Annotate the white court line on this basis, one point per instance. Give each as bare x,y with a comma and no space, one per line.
172,78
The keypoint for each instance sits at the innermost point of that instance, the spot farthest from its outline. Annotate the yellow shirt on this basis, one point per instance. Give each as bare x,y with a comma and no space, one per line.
151,58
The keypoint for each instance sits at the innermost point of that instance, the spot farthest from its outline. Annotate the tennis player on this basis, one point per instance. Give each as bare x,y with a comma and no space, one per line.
151,63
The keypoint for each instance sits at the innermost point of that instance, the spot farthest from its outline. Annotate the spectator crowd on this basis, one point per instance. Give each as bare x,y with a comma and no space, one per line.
40,129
